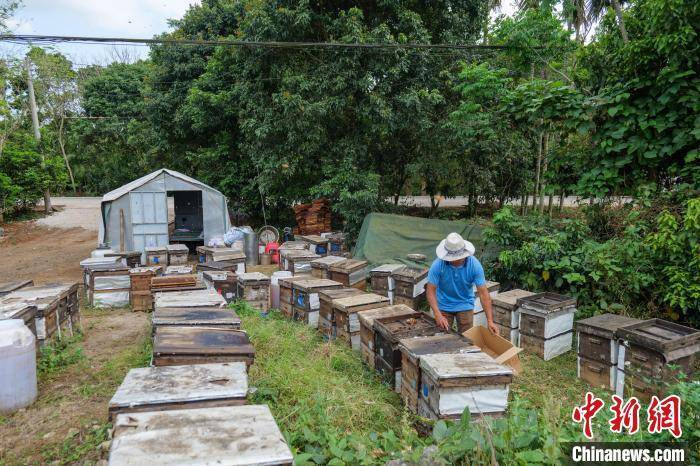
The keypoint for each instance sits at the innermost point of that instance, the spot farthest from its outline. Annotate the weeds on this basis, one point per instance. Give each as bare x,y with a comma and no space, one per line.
77,445
58,355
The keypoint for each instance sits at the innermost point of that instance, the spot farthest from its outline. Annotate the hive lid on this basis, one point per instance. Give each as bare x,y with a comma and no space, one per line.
38,292
290,245
228,254
604,325
146,270
8,287
396,328
442,366
218,265
301,255
433,344
350,302
253,277
178,270
219,275
662,336
386,269
181,340
312,284
313,239
331,294
509,299
369,316
156,249
288,282
181,384
17,310
93,261
123,254
348,265
546,302
195,316
410,274
194,298
177,248
225,436
326,262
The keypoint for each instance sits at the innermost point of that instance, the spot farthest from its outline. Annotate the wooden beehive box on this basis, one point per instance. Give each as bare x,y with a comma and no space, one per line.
505,308
177,254
141,277
218,317
229,256
298,261
320,267
217,266
202,252
156,255
286,295
367,319
410,282
326,315
306,300
179,270
224,282
598,348
132,259
180,345
109,286
179,282
387,333
347,322
167,388
546,323
336,243
8,287
254,288
381,281
350,272
649,347
411,351
96,263
196,298
479,314
451,382
229,435
316,243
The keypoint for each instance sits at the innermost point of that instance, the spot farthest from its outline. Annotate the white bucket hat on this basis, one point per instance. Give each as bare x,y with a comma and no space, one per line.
454,248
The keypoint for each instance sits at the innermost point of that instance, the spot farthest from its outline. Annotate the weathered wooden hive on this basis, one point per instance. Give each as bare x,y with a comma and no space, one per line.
387,333
132,259
180,345
320,268
653,352
451,382
217,266
350,272
347,322
410,286
337,244
381,280
96,263
109,286
167,388
286,295
230,435
224,282
141,297
306,301
326,314
506,314
411,351
204,253
316,243
254,288
177,254
178,282
546,324
298,261
215,317
156,255
479,314
8,287
230,256
598,348
57,308
367,319
196,298
179,270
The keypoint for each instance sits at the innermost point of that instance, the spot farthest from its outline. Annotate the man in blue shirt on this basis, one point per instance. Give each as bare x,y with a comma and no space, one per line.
450,287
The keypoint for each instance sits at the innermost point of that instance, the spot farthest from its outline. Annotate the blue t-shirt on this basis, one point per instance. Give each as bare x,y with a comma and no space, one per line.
455,285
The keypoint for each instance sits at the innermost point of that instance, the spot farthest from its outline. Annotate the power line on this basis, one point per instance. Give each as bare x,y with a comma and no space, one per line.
27,38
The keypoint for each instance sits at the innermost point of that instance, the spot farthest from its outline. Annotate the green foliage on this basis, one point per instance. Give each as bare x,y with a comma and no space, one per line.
644,267
57,355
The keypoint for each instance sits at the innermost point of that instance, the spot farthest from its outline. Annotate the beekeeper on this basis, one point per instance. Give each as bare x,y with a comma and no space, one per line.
451,281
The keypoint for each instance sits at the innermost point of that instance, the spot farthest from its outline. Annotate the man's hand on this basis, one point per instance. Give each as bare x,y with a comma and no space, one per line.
492,327
442,322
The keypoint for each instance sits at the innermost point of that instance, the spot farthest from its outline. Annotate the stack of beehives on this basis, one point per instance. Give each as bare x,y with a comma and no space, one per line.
177,254
109,286
141,297
326,313
347,321
381,280
409,286
156,255
314,218
479,314
350,272
315,243
506,315
546,324
305,296
224,282
254,288
337,245
320,268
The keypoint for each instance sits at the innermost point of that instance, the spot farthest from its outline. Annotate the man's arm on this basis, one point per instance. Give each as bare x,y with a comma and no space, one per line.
485,299
431,294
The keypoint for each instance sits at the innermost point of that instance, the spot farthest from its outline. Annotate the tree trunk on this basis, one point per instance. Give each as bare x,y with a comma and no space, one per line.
62,145
545,160
561,201
538,168
550,207
523,204
35,127
620,21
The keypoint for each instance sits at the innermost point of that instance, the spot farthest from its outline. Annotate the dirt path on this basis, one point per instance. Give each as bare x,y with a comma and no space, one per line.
68,422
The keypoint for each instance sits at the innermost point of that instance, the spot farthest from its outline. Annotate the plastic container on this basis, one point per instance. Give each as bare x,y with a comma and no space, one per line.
250,246
275,287
17,366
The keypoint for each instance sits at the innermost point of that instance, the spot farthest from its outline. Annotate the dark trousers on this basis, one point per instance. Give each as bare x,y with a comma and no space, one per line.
465,320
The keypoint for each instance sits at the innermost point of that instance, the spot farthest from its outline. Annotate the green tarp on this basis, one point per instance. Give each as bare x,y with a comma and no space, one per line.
388,238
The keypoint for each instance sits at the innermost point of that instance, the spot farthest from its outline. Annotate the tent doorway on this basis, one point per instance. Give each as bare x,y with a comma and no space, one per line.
188,225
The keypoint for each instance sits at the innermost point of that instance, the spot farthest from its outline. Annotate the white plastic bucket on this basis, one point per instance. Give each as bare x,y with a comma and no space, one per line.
17,366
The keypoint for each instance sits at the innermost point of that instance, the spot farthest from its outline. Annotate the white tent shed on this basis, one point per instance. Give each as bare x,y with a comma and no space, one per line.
138,212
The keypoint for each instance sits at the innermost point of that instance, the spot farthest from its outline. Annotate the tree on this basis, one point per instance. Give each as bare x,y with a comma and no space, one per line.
596,9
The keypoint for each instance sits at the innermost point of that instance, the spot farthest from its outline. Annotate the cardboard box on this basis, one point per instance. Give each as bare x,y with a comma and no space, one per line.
503,351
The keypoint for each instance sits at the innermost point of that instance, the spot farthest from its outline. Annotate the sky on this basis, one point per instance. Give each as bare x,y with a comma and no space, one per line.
101,18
